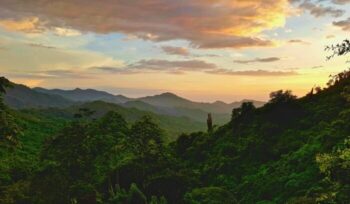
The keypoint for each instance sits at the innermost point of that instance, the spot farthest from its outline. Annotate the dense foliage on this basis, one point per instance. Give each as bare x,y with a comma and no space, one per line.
288,151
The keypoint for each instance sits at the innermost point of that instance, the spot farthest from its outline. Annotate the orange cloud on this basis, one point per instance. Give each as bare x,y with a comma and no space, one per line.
205,23
259,72
28,25
176,50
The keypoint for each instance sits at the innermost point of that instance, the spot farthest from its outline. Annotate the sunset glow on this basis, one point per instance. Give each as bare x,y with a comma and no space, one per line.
203,50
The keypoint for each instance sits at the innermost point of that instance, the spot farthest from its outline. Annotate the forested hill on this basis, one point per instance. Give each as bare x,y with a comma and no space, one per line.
288,151
172,125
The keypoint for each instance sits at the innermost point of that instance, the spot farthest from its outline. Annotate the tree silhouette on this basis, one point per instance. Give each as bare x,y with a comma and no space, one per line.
210,123
281,96
246,109
339,49
4,83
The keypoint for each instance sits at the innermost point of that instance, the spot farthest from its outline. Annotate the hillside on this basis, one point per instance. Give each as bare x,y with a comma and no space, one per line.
20,96
172,125
288,151
279,153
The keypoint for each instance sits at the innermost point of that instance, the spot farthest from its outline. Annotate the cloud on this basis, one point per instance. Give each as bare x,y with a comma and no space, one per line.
50,74
204,23
154,65
330,36
263,60
41,46
32,56
181,67
259,72
298,41
341,2
66,32
176,50
27,25
344,24
158,65
318,10
67,74
317,67
114,70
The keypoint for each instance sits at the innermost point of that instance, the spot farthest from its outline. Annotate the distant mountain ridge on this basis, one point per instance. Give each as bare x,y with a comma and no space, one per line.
166,99
166,103
85,95
171,100
22,97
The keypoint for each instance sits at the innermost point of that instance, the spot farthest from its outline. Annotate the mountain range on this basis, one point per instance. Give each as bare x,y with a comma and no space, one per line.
291,150
20,97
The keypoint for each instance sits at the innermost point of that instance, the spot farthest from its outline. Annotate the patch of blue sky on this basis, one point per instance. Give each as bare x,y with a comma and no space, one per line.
300,27
119,46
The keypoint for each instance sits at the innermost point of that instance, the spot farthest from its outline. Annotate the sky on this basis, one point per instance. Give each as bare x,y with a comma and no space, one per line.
204,50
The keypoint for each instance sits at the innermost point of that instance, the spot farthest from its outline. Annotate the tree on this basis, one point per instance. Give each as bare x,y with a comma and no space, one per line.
339,49
4,83
136,196
83,113
338,78
247,108
336,168
133,196
210,123
8,128
112,122
281,96
145,138
80,158
210,195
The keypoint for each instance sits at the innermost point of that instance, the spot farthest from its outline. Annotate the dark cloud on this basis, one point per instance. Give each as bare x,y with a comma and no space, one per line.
67,74
298,41
252,72
263,60
176,50
330,36
341,2
317,67
344,24
41,46
318,10
205,23
158,65
115,70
